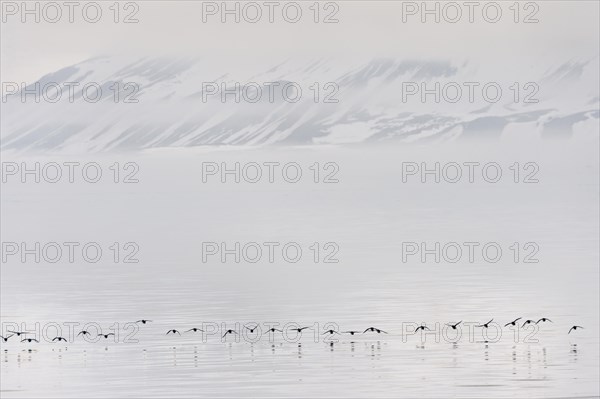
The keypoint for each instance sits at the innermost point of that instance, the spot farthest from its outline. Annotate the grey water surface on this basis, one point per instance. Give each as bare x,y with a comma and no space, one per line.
368,214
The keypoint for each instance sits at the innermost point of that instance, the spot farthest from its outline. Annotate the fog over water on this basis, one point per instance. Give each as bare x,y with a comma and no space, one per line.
374,199
377,281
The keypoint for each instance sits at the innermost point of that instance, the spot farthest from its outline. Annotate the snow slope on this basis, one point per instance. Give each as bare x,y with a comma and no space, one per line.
367,101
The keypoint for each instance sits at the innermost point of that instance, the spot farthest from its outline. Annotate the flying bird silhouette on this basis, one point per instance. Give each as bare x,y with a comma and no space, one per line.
173,332
272,329
5,339
373,329
513,323
454,325
251,329
106,335
543,320
195,329
574,328
30,340
330,332
59,339
84,333
143,321
228,332
528,322
18,333
351,332
299,329
422,327
485,325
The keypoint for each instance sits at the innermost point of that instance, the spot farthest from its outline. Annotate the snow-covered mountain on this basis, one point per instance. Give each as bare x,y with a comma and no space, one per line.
185,102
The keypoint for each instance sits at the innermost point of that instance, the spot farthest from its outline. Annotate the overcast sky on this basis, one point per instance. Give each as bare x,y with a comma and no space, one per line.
566,30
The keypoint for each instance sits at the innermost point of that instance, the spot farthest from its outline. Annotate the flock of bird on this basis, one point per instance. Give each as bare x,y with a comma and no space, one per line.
19,333
272,330
454,326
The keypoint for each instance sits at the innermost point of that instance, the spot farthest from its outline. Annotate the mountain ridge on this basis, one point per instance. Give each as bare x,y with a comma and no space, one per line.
331,102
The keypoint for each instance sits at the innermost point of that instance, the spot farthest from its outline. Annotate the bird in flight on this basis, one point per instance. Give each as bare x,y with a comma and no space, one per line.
84,333
528,322
6,338
330,332
251,329
272,329
195,329
422,327
18,333
30,340
543,320
574,328
454,325
106,335
143,321
485,325
59,339
373,329
513,323
228,332
299,329
351,332
173,332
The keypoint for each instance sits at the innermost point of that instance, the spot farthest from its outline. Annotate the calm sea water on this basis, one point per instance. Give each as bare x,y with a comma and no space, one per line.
368,214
